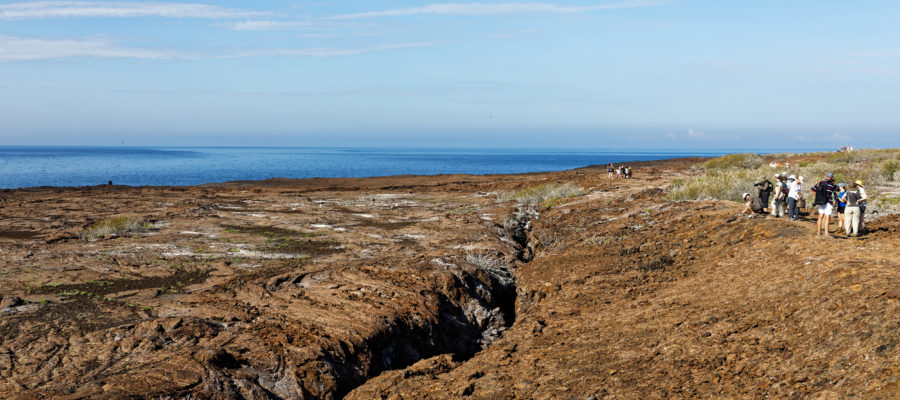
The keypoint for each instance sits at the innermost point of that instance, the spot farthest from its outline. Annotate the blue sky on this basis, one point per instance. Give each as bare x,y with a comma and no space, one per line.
567,73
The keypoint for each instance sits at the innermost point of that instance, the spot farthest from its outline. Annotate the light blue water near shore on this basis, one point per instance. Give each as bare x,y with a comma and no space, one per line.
29,166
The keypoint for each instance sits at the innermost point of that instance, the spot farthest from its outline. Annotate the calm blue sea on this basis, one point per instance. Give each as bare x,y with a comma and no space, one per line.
29,166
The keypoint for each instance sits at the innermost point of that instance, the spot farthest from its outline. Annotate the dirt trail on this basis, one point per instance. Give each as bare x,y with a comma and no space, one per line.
365,288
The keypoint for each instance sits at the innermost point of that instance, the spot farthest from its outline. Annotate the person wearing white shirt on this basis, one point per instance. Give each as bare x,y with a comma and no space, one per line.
794,193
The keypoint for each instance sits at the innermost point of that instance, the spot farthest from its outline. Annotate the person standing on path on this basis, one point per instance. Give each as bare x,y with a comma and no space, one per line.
609,170
862,206
781,192
824,200
765,189
842,224
853,197
794,191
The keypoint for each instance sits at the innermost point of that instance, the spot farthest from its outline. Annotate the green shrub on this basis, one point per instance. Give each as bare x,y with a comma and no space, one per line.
734,161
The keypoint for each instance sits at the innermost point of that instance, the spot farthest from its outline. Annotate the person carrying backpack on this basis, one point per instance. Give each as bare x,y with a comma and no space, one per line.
781,192
854,197
824,200
765,189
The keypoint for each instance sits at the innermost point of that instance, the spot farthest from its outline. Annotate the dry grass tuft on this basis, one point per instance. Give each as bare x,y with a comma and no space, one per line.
544,193
121,225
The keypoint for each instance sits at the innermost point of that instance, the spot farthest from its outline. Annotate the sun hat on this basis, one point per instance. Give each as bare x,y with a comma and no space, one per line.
859,183
776,175
842,184
792,177
800,179
745,195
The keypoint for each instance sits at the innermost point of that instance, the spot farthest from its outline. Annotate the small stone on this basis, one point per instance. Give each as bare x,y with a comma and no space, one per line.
894,294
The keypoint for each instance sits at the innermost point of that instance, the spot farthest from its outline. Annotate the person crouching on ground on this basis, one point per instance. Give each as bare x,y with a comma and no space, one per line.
765,189
753,205
853,197
793,197
824,200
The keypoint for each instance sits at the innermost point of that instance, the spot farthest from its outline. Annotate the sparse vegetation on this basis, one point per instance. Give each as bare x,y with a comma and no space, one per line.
735,161
886,205
492,263
116,226
726,178
486,260
544,194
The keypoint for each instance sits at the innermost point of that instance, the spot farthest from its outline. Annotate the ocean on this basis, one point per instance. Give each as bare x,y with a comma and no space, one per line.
31,166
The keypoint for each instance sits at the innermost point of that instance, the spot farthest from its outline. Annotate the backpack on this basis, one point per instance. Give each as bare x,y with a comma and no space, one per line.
821,196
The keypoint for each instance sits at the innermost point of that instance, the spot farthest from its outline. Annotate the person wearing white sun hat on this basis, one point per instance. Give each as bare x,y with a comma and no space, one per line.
793,197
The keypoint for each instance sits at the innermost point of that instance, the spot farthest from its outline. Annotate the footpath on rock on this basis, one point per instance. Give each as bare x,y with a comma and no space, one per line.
434,287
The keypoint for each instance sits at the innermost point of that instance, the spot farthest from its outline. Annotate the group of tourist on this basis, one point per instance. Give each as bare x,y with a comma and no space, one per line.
847,201
618,172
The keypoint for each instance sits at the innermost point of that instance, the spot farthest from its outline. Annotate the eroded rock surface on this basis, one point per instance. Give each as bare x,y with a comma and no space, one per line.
428,287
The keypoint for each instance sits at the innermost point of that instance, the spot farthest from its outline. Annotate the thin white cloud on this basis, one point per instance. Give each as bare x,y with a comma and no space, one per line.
322,52
694,134
71,9
25,49
499,8
14,49
275,25
264,25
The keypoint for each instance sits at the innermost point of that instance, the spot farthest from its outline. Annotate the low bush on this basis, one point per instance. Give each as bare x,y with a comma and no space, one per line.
734,161
544,193
116,226
725,180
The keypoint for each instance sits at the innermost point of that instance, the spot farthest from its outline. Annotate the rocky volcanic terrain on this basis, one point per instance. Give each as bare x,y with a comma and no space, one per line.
430,288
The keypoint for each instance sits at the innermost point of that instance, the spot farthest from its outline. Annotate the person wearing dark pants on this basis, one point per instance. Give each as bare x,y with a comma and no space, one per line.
794,193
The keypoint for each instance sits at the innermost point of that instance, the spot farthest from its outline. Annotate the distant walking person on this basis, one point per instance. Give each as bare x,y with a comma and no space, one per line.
609,170
853,197
619,172
627,172
824,200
